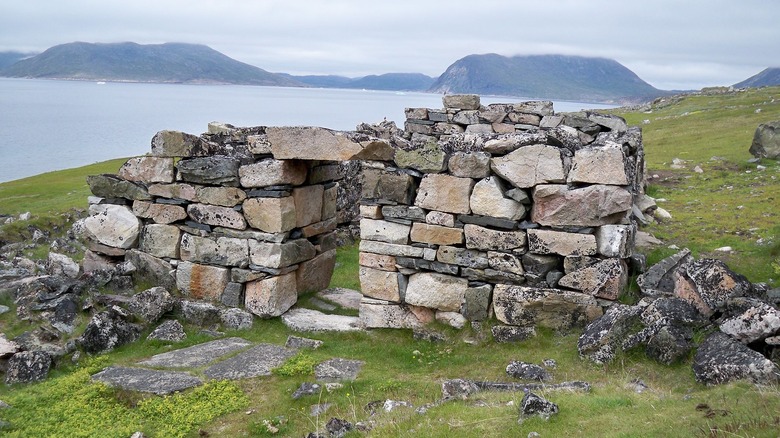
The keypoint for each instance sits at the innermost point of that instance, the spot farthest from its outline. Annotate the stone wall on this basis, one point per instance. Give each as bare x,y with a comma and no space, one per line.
505,209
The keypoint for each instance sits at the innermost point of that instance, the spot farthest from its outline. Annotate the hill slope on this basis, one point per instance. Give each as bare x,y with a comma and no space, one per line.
548,76
766,78
169,62
8,59
388,81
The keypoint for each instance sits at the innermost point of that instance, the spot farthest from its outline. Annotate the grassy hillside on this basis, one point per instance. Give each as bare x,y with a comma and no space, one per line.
706,212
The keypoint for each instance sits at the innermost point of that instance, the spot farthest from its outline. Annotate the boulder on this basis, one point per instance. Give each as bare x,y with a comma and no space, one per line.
382,285
527,371
148,169
512,333
599,165
461,101
314,275
170,330
27,366
384,314
766,141
107,330
437,291
236,319
756,323
708,284
606,279
201,282
670,344
178,144
273,172
272,215
537,307
161,240
533,405
444,193
151,304
314,143
590,206
271,297
605,336
62,265
111,225
721,359
660,279
529,166
488,199
213,170
199,313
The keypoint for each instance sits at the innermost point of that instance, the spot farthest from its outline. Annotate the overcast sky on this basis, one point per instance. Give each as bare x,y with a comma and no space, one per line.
672,44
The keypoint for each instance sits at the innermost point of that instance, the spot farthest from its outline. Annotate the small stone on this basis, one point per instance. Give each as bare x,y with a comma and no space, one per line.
170,330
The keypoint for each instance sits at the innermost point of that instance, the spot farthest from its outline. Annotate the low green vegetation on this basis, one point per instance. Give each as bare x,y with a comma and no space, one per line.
723,206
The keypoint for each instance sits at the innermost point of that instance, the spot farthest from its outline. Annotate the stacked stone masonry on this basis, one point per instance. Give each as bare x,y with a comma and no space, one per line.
471,211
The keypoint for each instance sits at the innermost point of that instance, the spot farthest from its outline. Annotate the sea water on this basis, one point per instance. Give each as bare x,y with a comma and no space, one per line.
48,125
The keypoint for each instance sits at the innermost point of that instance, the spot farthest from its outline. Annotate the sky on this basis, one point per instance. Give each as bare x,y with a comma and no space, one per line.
671,44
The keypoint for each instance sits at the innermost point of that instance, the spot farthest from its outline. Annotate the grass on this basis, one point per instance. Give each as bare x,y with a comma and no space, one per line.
706,215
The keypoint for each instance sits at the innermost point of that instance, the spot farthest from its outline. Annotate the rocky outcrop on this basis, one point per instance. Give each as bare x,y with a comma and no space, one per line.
766,141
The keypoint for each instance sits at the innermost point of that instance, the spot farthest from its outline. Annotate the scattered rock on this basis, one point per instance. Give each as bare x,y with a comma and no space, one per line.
721,359
27,366
534,405
108,330
604,337
298,342
766,141
153,381
306,388
257,361
338,369
527,371
151,304
236,319
170,330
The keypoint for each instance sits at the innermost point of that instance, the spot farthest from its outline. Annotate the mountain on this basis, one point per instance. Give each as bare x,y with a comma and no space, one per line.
10,58
169,62
768,77
547,76
388,81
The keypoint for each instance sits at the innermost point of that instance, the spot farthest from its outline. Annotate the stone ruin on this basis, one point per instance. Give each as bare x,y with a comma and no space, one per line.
469,211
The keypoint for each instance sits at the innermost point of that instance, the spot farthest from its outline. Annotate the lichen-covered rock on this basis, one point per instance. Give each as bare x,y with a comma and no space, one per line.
606,279
594,205
766,141
533,405
536,307
236,319
530,166
599,165
148,169
670,344
660,278
151,304
561,243
387,186
756,323
527,371
111,186
170,330
107,330
111,225
28,366
272,215
604,337
214,170
721,359
216,216
427,157
708,284
199,313
512,333
271,297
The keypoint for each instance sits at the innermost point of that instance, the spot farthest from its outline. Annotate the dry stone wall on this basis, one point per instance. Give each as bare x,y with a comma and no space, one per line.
470,211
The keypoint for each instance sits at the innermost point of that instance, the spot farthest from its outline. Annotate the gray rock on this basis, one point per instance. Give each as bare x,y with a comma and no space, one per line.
7,348
344,298
708,284
756,323
170,330
307,388
426,157
161,240
383,185
605,336
27,366
197,355
337,427
337,369
314,143
111,186
214,170
606,279
108,330
151,270
152,381
766,141
561,243
159,213
533,307
533,405
670,344
530,166
308,320
111,225
299,342
384,314
60,264
222,251
199,313
257,361
477,301
151,304
444,193
469,164
437,291
721,359
527,371
200,281
589,206
660,278
271,297
178,144
216,216
672,311
236,319
512,333
461,101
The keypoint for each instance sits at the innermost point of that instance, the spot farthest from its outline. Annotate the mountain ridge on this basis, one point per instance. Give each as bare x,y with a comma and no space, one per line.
765,78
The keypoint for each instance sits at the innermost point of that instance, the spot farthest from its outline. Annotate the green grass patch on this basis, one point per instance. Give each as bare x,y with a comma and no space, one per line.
301,364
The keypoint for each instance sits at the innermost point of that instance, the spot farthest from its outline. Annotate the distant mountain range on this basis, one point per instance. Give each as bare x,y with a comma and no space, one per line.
539,76
766,78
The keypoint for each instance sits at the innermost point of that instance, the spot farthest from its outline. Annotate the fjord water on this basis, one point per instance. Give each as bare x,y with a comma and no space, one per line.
48,125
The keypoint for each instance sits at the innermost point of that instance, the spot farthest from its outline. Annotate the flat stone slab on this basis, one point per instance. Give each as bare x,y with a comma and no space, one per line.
255,362
345,298
197,355
153,381
308,320
338,369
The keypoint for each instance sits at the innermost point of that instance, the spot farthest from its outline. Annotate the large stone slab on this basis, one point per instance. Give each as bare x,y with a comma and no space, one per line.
308,320
280,255
488,199
308,204
148,169
596,205
436,234
313,143
607,279
461,101
384,314
314,275
198,355
537,307
223,251
203,282
272,172
271,297
174,191
390,249
599,165
255,362
529,166
721,359
223,196
27,366
445,193
384,231
337,369
159,213
216,216
383,285
111,225
387,186
178,144
561,243
437,291
143,380
482,238
214,170
708,284
111,186
272,215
